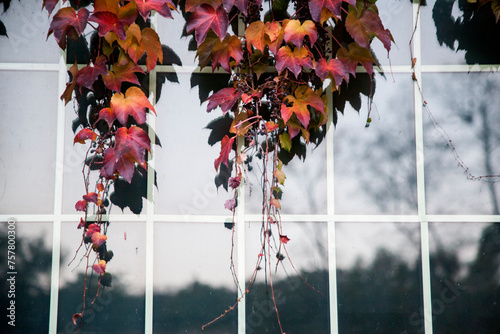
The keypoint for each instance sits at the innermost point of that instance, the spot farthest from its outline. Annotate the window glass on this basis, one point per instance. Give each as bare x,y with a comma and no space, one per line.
171,34
379,278
28,136
397,17
462,108
465,276
304,190
375,166
299,281
27,26
193,283
116,309
31,283
185,162
451,34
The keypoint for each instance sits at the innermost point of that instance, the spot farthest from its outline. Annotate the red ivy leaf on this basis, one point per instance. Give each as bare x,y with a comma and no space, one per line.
295,32
334,68
284,239
206,17
81,205
107,114
125,165
49,5
191,5
93,228
124,73
91,197
133,103
83,135
355,54
67,22
107,22
226,147
134,141
362,27
229,47
293,60
89,74
316,6
98,239
126,14
75,317
225,98
304,97
100,267
161,6
260,34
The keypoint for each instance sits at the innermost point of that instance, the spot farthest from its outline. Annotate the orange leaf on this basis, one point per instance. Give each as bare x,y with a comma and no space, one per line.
70,86
133,103
222,50
274,202
334,69
121,73
293,60
100,267
284,239
354,54
83,135
295,32
304,97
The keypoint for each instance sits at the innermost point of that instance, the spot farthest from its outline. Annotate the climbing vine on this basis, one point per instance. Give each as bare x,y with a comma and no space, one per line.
283,68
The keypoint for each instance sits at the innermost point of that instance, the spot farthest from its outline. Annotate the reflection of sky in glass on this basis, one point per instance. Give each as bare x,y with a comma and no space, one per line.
358,243
27,152
304,190
465,108
432,52
126,240
27,26
186,186
397,17
170,33
375,166
192,252
307,249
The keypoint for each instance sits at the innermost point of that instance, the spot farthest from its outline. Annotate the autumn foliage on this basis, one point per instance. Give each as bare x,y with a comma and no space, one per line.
284,60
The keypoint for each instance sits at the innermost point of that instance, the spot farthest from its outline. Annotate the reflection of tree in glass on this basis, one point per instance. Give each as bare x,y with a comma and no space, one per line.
32,285
474,30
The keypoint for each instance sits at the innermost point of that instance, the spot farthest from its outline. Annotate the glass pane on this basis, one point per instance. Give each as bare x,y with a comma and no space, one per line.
170,33
193,283
28,101
379,278
397,17
299,281
117,309
185,162
451,35
132,197
375,165
462,107
465,277
27,26
26,285
304,190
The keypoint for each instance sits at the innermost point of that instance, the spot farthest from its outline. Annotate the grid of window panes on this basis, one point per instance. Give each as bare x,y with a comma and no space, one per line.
385,221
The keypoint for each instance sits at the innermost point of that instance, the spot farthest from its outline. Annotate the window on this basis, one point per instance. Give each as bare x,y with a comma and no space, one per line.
386,221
